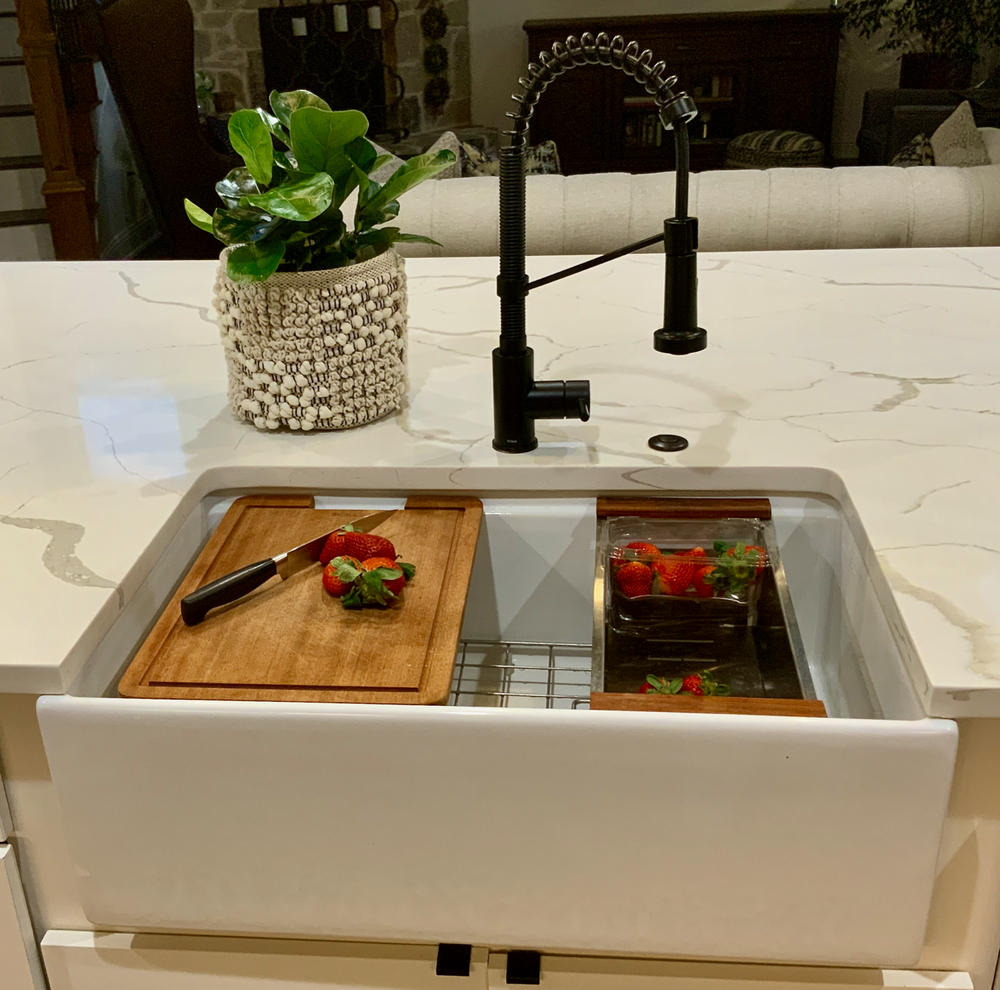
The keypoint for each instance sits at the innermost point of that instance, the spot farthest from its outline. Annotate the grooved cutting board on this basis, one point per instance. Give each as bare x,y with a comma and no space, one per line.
290,640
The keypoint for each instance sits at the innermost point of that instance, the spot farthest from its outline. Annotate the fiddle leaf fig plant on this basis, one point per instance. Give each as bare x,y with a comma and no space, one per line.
283,209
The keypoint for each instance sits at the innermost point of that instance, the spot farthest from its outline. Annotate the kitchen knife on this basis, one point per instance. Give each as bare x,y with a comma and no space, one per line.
231,587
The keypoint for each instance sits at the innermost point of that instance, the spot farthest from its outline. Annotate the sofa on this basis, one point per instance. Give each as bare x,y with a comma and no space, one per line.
739,210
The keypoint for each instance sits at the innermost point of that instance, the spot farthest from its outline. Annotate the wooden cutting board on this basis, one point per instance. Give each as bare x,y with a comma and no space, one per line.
290,640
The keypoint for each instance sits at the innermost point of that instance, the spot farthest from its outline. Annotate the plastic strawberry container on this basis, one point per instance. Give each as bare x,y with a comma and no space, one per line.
691,603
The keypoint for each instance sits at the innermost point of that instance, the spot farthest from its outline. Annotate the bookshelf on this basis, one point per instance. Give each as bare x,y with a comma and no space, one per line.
746,71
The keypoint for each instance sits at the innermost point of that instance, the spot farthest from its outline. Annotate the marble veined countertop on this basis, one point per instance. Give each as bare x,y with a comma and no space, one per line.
871,375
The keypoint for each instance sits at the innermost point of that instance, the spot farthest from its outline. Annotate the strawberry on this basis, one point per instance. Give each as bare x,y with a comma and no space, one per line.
702,588
394,584
379,582
366,545
339,574
640,547
672,574
634,579
335,546
692,685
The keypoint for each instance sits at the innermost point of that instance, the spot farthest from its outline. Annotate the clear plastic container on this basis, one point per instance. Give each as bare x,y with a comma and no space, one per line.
668,571
677,598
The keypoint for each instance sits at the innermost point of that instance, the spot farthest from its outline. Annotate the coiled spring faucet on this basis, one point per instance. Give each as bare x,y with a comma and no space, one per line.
518,400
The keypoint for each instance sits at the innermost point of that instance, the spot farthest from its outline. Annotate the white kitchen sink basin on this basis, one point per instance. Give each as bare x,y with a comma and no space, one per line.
514,816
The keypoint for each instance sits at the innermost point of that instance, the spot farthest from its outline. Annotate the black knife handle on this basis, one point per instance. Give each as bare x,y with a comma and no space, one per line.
229,588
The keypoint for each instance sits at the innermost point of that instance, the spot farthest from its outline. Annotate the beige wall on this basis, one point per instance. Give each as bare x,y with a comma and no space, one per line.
499,52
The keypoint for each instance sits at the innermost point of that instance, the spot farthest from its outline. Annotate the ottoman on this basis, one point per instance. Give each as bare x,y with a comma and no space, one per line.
774,149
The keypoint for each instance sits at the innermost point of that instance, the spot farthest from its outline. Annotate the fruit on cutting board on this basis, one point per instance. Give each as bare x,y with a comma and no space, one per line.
339,574
361,546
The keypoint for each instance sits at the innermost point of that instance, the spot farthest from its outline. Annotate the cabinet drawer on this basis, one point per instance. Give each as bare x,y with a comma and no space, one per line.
20,967
115,961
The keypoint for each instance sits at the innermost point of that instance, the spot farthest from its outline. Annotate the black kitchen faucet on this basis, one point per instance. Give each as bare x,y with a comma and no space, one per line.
519,400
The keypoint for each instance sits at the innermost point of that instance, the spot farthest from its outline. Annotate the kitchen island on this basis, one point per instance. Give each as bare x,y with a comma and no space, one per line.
869,378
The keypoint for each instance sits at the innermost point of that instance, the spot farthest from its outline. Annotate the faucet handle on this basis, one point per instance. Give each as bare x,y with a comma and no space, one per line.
559,400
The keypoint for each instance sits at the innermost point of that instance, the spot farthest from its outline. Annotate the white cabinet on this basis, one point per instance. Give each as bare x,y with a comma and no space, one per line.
97,961
6,822
20,968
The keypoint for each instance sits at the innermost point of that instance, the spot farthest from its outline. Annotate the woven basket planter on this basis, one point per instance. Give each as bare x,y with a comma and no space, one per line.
322,350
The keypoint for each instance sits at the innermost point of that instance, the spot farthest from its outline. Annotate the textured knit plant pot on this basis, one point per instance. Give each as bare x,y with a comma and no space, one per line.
322,350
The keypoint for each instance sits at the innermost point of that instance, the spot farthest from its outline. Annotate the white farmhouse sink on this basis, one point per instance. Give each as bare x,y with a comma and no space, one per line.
514,816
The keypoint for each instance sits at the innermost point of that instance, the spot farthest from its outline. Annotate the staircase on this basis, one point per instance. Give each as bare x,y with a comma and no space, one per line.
46,205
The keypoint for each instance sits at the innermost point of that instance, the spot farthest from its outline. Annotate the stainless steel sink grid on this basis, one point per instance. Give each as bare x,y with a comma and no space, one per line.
491,674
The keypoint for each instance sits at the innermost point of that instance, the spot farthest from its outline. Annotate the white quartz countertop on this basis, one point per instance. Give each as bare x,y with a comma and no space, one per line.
872,376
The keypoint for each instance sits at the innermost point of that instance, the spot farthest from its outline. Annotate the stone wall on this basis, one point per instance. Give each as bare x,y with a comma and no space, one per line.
227,47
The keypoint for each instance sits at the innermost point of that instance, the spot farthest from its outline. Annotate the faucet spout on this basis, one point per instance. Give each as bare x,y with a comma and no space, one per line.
519,400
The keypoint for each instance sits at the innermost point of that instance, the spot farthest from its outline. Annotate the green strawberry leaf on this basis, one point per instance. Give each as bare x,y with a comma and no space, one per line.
408,569
674,686
344,569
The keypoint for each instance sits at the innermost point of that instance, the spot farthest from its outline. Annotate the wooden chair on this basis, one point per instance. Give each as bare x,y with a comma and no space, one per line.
147,47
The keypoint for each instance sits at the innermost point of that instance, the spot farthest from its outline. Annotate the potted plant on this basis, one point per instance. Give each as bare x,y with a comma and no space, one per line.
940,39
311,306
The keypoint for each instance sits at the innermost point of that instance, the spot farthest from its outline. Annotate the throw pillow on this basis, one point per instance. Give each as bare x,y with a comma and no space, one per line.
539,159
916,151
991,137
958,141
448,142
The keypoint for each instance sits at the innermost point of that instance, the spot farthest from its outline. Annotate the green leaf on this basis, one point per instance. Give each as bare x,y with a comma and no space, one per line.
273,125
410,174
408,569
318,137
243,225
198,216
286,161
285,104
251,140
418,239
674,686
254,262
304,199
237,184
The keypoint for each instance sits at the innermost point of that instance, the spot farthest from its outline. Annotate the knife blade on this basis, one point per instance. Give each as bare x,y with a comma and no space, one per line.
234,586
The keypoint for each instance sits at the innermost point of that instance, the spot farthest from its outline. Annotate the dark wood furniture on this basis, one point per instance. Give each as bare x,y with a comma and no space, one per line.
746,71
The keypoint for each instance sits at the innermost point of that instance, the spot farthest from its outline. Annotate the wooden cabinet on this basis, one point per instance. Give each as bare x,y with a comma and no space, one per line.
746,71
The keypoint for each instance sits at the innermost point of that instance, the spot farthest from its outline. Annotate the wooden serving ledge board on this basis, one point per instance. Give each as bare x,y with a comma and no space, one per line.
290,640
705,704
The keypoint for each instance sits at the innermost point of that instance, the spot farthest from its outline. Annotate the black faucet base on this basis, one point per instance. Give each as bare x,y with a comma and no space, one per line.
518,400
